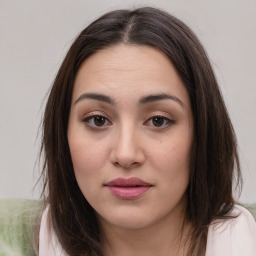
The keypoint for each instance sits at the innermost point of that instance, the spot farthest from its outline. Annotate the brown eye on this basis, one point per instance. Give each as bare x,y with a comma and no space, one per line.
158,121
99,120
96,121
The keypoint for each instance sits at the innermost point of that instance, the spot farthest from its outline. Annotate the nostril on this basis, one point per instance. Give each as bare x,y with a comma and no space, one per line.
127,155
126,165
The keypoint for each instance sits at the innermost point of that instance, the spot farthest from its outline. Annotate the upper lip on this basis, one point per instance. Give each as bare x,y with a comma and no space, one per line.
127,182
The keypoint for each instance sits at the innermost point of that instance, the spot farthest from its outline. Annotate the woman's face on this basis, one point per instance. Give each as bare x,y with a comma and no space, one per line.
130,135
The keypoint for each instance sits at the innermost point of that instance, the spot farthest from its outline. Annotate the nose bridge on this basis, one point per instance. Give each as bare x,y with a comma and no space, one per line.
126,138
127,148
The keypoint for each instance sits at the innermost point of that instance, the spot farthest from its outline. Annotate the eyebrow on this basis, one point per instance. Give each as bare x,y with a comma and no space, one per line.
144,100
96,96
158,97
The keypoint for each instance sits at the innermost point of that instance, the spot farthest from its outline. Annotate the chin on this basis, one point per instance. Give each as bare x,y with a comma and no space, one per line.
130,219
131,223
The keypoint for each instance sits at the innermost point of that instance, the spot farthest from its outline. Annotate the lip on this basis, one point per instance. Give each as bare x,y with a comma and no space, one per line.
128,188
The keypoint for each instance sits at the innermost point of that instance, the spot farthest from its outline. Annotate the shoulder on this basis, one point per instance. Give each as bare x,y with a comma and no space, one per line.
234,236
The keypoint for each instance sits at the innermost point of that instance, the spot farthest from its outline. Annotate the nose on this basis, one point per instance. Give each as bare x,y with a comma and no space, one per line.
127,151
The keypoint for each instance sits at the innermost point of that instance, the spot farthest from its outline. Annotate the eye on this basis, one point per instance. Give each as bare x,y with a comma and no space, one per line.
97,121
159,121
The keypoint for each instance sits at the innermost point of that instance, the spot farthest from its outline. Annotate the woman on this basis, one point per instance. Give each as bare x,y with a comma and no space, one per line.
140,154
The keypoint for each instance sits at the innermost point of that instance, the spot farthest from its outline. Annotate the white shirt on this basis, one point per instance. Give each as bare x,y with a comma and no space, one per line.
231,237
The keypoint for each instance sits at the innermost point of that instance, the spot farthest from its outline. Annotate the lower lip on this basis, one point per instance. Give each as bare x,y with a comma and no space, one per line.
128,193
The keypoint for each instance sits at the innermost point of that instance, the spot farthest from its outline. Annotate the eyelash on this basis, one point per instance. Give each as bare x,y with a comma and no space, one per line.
92,118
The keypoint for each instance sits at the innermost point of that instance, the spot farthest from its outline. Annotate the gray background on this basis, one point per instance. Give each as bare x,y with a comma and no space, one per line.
35,35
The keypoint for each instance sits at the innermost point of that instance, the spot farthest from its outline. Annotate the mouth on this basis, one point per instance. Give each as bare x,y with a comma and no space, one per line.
128,189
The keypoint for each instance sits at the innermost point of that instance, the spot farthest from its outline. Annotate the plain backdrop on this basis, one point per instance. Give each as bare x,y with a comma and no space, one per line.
35,35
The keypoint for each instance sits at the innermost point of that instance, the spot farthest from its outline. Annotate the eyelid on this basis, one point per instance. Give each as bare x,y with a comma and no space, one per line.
162,114
95,113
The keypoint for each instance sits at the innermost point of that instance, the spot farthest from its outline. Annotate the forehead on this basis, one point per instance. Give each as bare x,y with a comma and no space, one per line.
124,70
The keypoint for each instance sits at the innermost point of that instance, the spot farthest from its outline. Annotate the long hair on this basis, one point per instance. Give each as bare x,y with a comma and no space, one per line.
215,162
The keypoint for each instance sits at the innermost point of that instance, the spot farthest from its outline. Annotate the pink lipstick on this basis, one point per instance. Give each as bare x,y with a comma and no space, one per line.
128,189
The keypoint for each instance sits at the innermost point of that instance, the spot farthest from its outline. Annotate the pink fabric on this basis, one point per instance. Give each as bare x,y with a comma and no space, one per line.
48,242
232,237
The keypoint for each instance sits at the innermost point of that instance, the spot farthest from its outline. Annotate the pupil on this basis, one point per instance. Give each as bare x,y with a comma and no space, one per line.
99,120
158,121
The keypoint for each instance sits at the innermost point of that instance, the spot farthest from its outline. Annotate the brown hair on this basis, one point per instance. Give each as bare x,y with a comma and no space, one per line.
215,160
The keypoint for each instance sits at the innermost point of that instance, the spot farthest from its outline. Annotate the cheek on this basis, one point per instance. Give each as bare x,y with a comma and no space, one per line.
88,157
174,153
175,174
172,160
88,162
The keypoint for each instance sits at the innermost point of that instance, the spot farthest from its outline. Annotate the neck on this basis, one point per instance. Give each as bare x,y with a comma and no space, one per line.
165,238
